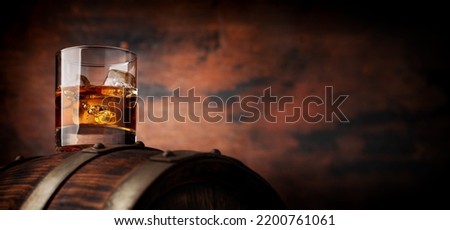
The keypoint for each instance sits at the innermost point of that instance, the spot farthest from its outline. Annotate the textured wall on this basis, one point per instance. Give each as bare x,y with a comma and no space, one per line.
390,60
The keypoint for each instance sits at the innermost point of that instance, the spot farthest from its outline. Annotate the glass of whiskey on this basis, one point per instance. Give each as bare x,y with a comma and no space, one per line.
95,100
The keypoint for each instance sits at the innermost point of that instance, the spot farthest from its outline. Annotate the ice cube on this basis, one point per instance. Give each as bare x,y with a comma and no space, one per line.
105,117
120,78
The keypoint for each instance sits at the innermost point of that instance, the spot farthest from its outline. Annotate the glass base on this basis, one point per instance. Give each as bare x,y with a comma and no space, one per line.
75,138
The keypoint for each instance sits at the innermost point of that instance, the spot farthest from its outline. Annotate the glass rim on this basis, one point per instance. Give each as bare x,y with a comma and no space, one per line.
133,54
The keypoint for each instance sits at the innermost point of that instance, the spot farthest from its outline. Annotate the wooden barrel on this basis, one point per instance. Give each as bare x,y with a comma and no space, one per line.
134,177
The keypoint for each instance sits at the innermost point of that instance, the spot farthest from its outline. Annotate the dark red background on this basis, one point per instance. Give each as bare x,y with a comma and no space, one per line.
391,59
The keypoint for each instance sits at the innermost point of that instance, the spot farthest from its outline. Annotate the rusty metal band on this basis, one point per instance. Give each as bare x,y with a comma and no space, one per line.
50,183
128,193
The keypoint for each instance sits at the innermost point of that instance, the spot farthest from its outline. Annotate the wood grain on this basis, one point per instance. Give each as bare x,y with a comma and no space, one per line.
200,181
